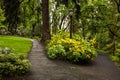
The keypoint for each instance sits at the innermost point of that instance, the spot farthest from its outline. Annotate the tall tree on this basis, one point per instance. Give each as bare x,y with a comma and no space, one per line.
45,14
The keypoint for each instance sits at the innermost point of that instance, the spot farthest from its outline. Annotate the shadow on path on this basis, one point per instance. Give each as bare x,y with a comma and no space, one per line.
45,69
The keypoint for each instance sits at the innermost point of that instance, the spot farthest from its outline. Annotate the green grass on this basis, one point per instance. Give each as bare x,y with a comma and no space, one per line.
19,46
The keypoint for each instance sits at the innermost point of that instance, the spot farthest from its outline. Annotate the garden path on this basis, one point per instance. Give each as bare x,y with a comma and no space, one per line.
43,68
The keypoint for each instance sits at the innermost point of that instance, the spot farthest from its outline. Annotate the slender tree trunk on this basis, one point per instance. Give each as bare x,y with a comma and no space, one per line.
45,14
71,27
33,30
60,26
113,46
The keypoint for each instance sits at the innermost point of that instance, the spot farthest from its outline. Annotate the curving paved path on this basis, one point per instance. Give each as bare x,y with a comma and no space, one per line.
45,69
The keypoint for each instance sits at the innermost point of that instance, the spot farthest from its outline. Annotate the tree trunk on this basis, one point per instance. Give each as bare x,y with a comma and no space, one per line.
45,14
71,27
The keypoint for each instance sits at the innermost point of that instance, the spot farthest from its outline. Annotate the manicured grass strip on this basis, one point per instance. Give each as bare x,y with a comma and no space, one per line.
19,46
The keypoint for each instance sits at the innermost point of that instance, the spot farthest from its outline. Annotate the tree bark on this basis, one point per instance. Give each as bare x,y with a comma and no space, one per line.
45,16
71,27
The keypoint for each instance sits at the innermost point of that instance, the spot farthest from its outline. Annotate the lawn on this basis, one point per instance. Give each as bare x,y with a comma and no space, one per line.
19,46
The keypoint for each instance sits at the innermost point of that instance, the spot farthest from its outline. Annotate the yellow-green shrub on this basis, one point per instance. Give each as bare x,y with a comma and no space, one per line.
70,49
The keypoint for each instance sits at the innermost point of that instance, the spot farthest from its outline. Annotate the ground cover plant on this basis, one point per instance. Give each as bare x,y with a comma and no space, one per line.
77,50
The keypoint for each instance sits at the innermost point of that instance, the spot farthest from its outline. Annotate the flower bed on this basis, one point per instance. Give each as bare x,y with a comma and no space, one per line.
77,51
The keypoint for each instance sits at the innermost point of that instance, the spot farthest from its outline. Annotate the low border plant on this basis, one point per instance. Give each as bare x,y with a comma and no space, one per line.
12,65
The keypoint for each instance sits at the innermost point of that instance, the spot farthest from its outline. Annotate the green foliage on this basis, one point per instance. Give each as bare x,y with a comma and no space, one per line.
91,18
30,16
2,18
13,65
77,51
115,58
12,10
55,51
5,51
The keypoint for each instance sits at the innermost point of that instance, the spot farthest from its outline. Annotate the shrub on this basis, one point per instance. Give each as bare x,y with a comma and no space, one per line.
115,58
74,50
7,69
55,51
6,50
13,65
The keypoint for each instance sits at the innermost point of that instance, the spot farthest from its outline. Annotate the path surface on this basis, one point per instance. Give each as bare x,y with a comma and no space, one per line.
45,69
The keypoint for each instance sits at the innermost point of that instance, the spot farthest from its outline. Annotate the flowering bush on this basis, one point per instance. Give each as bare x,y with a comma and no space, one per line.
55,51
71,49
